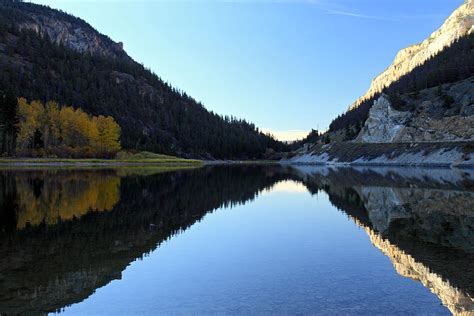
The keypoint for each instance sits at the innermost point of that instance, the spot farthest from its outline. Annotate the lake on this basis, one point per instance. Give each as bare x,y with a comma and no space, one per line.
237,239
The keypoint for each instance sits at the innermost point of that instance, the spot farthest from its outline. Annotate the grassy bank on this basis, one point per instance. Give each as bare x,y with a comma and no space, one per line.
122,158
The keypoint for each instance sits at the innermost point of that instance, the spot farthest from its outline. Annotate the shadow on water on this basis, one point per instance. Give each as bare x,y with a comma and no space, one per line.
65,233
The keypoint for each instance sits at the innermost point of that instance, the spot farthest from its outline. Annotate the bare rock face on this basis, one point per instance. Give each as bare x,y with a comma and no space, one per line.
459,24
440,114
77,36
384,124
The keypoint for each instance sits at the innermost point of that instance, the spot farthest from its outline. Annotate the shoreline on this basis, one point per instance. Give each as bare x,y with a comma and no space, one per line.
54,162
379,164
283,163
417,154
309,161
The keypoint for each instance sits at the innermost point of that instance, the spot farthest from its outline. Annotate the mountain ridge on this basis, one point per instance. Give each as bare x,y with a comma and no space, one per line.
65,29
444,57
47,54
460,23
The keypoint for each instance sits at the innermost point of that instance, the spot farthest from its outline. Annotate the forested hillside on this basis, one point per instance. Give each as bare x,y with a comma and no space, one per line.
46,55
453,64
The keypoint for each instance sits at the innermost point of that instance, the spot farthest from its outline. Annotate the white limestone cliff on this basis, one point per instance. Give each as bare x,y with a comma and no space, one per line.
384,123
430,118
459,24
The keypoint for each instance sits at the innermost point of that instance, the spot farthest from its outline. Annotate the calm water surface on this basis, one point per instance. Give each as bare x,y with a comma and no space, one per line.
237,240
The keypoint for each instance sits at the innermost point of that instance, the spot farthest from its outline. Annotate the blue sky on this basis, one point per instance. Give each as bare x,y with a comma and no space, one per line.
288,66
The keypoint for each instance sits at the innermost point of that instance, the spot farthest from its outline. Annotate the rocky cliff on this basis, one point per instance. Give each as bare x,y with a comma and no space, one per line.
71,32
444,113
419,111
384,123
459,24
433,126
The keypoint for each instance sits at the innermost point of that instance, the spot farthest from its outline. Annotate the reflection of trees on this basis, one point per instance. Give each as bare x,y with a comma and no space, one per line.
44,268
48,199
8,203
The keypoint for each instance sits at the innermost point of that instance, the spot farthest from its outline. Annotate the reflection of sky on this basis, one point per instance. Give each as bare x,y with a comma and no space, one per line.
285,252
288,186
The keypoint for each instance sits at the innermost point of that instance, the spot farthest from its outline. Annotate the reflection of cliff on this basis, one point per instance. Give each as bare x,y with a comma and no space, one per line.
458,301
44,268
435,216
423,222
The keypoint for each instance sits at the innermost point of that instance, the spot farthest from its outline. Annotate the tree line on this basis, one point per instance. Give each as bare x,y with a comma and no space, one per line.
37,129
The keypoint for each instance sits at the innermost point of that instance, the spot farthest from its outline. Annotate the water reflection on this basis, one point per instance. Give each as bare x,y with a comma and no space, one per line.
65,233
45,267
422,220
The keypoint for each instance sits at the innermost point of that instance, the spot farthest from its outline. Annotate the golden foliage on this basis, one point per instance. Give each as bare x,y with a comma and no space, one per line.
30,121
52,126
49,200
108,133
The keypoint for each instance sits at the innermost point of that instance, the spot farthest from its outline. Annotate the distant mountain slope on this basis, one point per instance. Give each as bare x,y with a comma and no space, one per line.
459,24
47,54
446,56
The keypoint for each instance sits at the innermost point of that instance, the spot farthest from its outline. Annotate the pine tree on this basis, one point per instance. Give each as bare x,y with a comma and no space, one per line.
8,121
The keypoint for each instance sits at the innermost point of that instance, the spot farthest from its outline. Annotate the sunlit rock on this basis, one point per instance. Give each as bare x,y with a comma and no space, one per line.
384,124
459,24
439,114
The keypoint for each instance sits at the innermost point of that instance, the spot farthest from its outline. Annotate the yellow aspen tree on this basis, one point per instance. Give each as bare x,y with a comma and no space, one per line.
66,119
113,134
51,125
24,131
94,135
30,116
109,134
82,124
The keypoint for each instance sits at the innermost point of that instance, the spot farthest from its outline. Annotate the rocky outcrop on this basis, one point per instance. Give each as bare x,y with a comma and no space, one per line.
444,113
384,123
459,24
433,126
77,36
